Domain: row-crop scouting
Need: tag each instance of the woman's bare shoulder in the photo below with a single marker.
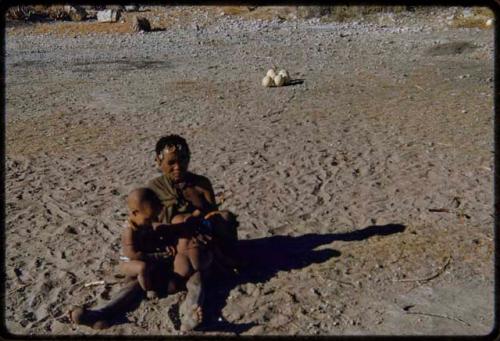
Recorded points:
(200, 180)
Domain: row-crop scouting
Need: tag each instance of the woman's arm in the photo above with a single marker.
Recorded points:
(130, 249)
(177, 230)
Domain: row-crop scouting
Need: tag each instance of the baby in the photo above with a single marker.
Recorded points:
(144, 250)
(148, 247)
(152, 250)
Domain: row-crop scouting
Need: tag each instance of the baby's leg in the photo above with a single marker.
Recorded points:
(141, 270)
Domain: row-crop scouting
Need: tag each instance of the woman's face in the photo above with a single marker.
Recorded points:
(174, 165)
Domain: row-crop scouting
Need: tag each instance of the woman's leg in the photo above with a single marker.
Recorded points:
(100, 318)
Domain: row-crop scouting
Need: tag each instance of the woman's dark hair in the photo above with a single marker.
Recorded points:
(173, 141)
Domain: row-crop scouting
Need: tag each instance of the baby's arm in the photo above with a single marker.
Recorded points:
(130, 249)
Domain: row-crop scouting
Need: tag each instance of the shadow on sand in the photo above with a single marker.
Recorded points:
(267, 256)
(264, 257)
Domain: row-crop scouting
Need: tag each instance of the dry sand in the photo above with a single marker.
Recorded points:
(338, 176)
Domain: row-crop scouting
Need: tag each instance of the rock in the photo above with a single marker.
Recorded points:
(131, 8)
(76, 13)
(108, 15)
(141, 24)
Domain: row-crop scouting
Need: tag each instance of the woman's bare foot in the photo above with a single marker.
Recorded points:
(90, 318)
(190, 311)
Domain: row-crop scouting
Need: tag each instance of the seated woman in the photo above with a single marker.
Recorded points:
(188, 200)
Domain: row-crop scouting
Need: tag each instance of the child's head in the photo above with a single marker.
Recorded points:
(172, 156)
(144, 207)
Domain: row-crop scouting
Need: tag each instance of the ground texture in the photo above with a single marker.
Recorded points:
(364, 190)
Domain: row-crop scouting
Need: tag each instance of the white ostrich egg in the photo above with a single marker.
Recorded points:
(279, 80)
(267, 81)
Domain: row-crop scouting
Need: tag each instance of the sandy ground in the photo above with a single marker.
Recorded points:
(369, 181)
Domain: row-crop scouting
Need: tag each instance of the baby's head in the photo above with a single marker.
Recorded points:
(144, 207)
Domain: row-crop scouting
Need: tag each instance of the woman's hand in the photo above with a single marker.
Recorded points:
(211, 214)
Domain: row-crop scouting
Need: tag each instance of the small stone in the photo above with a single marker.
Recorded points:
(108, 15)
(131, 8)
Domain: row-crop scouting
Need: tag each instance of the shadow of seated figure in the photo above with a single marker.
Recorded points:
(265, 257)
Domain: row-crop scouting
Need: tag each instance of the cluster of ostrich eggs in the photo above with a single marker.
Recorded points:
(276, 79)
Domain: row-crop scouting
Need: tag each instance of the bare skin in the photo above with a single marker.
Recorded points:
(198, 191)
(192, 259)
(138, 240)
